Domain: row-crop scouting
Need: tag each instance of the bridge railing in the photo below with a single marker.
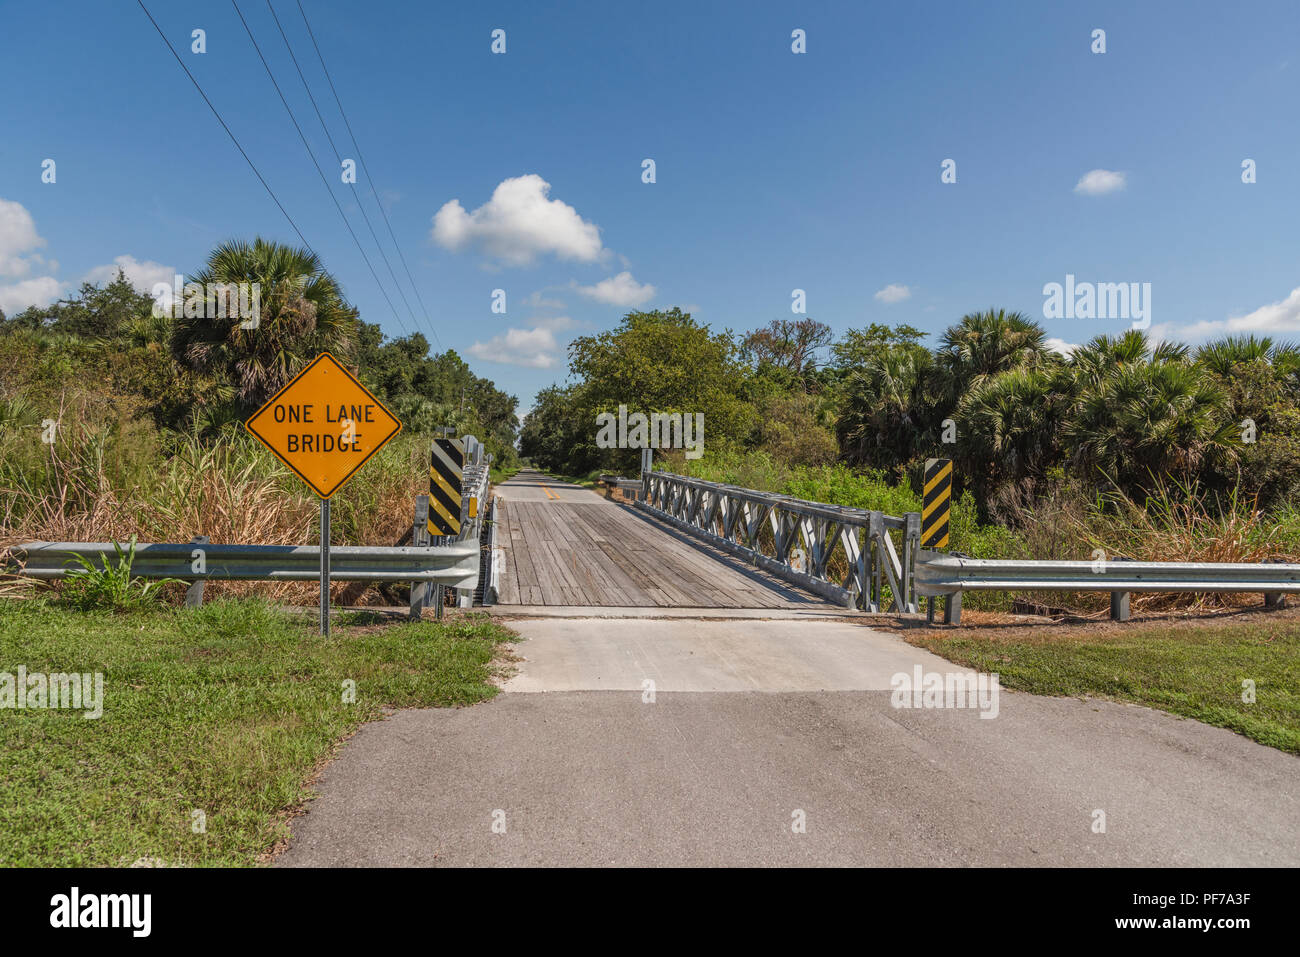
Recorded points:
(855, 557)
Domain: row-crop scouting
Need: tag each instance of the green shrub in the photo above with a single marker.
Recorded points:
(112, 587)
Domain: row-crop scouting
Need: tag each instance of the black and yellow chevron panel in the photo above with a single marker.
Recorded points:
(446, 464)
(937, 503)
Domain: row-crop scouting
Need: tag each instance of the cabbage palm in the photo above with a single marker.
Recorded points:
(1104, 355)
(1146, 421)
(1010, 425)
(883, 414)
(1221, 355)
(984, 344)
(302, 313)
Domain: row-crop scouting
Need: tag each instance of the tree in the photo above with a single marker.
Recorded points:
(861, 345)
(428, 392)
(789, 345)
(662, 362)
(302, 314)
(1258, 378)
(984, 344)
(553, 436)
(885, 411)
(1146, 421)
(1010, 429)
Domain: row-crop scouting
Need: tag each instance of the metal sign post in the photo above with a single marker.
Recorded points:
(324, 424)
(325, 567)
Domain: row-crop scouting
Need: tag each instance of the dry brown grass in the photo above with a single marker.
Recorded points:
(231, 491)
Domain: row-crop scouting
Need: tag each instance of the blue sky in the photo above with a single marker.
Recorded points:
(775, 171)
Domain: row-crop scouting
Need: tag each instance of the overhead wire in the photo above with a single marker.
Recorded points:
(324, 181)
(370, 181)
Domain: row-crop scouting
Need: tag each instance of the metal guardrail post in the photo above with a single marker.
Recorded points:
(911, 545)
(420, 537)
(952, 609)
(194, 594)
(647, 467)
(1274, 599)
(1119, 610)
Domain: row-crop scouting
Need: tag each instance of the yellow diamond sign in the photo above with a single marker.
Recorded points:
(324, 425)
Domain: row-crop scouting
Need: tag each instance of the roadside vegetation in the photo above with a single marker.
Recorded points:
(226, 710)
(117, 422)
(1188, 668)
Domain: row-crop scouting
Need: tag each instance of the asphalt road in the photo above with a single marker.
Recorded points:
(718, 777)
(530, 485)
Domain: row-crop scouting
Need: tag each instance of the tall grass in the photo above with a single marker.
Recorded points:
(111, 481)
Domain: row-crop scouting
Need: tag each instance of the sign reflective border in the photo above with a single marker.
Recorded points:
(324, 425)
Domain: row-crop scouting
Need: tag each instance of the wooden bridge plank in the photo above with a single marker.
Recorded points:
(602, 554)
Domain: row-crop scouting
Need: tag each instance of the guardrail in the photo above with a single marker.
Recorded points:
(475, 482)
(628, 488)
(941, 573)
(494, 558)
(455, 565)
(847, 555)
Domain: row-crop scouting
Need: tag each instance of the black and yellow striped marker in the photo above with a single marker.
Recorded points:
(446, 464)
(937, 503)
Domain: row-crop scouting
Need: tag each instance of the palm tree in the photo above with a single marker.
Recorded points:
(984, 344)
(302, 313)
(1101, 357)
(883, 415)
(1145, 421)
(1010, 426)
(1221, 355)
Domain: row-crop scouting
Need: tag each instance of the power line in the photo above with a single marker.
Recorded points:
(339, 156)
(366, 170)
(319, 171)
(251, 166)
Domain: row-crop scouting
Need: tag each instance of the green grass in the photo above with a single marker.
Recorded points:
(501, 475)
(590, 480)
(227, 709)
(1196, 672)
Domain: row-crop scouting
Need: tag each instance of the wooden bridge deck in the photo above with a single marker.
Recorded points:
(598, 553)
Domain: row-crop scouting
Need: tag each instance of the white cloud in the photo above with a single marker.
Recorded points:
(17, 296)
(894, 292)
(1060, 345)
(553, 323)
(531, 348)
(620, 290)
(18, 240)
(1099, 182)
(142, 275)
(518, 224)
(537, 301)
(1276, 318)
